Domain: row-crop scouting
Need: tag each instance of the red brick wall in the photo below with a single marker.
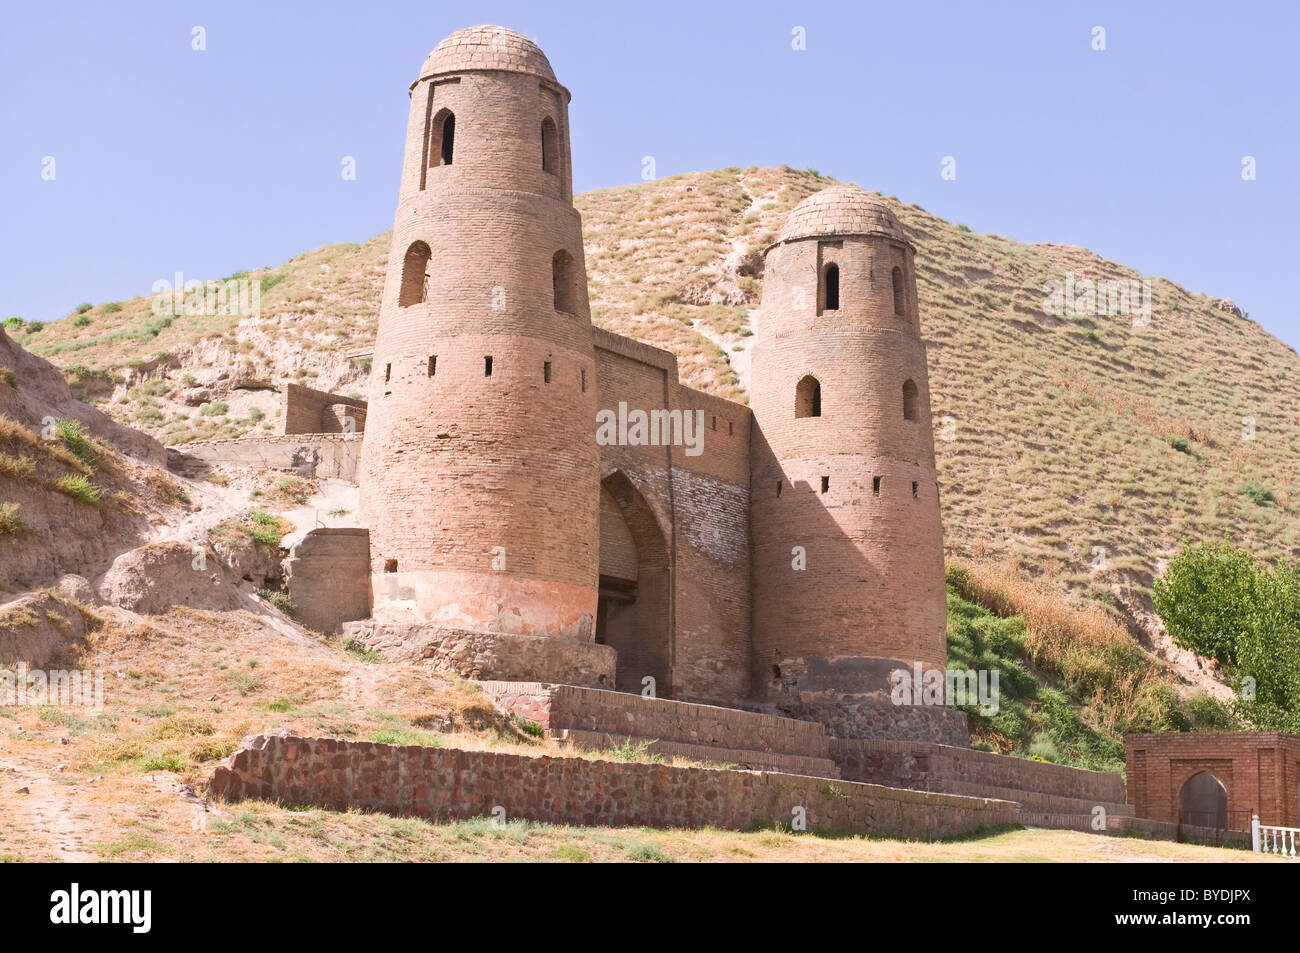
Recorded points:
(1259, 770)
(307, 410)
(449, 784)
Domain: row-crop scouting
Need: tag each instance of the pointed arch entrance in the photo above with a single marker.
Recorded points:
(1203, 801)
(632, 614)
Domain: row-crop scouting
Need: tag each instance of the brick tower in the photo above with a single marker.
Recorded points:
(842, 461)
(479, 470)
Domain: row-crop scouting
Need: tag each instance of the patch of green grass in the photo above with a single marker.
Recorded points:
(358, 651)
(79, 488)
(215, 409)
(74, 437)
(530, 728)
(406, 736)
(1259, 494)
(631, 749)
(245, 682)
(270, 281)
(646, 853)
(280, 600)
(164, 762)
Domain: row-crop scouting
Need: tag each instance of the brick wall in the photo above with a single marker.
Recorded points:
(450, 784)
(310, 455)
(1259, 770)
(328, 577)
(307, 410)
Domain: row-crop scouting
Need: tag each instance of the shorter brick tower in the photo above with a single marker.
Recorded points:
(848, 547)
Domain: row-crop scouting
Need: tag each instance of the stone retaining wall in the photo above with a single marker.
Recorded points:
(557, 707)
(938, 767)
(451, 784)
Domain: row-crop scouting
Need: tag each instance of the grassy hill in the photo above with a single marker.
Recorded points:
(1083, 450)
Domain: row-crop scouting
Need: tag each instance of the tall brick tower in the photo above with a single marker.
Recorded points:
(842, 461)
(479, 469)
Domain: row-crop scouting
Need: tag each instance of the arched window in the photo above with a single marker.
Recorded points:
(831, 288)
(909, 400)
(808, 398)
(1203, 801)
(550, 147)
(415, 275)
(562, 272)
(442, 137)
(900, 306)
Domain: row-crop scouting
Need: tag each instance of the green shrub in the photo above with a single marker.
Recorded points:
(111, 308)
(10, 523)
(270, 281)
(83, 307)
(73, 435)
(79, 488)
(360, 652)
(1259, 494)
(280, 600)
(80, 321)
(9, 377)
(13, 324)
(214, 409)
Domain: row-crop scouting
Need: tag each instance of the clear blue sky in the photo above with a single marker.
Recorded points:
(168, 159)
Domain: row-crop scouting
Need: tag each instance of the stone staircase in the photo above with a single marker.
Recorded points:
(1049, 795)
(597, 719)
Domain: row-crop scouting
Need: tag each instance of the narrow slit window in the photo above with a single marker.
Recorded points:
(715, 423)
(388, 373)
(562, 281)
(831, 288)
(550, 150)
(583, 375)
(778, 489)
(487, 366)
(826, 484)
(875, 485)
(914, 486)
(546, 371)
(909, 400)
(900, 307)
(433, 364)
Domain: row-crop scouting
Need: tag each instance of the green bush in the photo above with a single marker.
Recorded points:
(13, 324)
(80, 321)
(214, 409)
(79, 488)
(83, 307)
(1259, 494)
(73, 435)
(111, 308)
(280, 600)
(10, 523)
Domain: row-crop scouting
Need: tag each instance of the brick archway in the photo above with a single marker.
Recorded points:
(1203, 801)
(633, 610)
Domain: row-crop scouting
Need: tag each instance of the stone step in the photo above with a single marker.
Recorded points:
(708, 754)
(1032, 801)
(621, 715)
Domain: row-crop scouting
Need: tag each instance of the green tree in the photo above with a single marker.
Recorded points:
(1219, 601)
(1208, 598)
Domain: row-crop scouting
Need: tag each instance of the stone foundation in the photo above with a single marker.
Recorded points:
(487, 655)
(450, 784)
(879, 719)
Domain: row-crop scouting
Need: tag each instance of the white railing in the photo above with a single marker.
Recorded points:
(1270, 839)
